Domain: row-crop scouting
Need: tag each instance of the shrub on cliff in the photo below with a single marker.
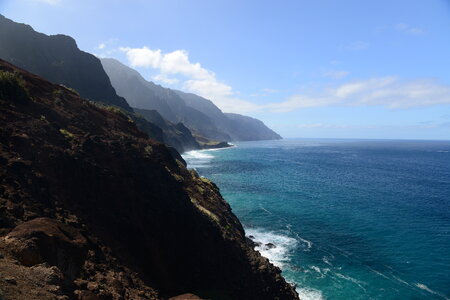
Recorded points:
(12, 87)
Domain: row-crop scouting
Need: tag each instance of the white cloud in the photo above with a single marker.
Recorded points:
(270, 91)
(164, 79)
(265, 93)
(419, 125)
(104, 49)
(320, 125)
(196, 79)
(356, 46)
(50, 2)
(408, 29)
(389, 92)
(143, 57)
(336, 74)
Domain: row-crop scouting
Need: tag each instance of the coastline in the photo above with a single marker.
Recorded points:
(283, 204)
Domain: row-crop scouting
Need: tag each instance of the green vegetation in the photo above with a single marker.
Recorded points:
(71, 89)
(148, 149)
(57, 93)
(208, 213)
(114, 109)
(205, 180)
(66, 133)
(12, 87)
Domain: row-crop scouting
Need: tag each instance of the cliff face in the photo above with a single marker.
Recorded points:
(238, 127)
(93, 209)
(176, 135)
(57, 59)
(197, 113)
(254, 129)
(143, 94)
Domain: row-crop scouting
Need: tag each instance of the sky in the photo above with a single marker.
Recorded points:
(312, 69)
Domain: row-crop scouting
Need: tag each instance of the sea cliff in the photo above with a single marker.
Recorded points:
(91, 208)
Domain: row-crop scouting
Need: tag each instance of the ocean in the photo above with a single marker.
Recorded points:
(350, 219)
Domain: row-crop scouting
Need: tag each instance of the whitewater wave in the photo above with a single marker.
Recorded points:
(280, 255)
(307, 244)
(309, 294)
(276, 247)
(197, 154)
(197, 158)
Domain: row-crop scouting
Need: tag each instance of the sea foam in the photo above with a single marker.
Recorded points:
(284, 245)
(309, 294)
(197, 154)
(197, 159)
(425, 288)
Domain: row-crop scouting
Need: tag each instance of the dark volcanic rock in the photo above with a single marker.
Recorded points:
(186, 297)
(176, 135)
(48, 240)
(270, 245)
(78, 179)
(58, 59)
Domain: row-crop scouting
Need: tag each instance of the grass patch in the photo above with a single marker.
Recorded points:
(71, 89)
(67, 134)
(208, 213)
(12, 87)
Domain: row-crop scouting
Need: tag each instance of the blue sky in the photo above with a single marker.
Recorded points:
(336, 69)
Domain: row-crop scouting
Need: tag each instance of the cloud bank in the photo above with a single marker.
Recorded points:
(50, 2)
(196, 79)
(390, 92)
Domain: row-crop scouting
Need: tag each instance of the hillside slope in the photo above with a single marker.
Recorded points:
(92, 209)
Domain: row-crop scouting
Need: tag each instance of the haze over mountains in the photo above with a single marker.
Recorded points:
(181, 120)
(199, 114)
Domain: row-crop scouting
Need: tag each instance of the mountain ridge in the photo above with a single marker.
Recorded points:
(200, 115)
(58, 59)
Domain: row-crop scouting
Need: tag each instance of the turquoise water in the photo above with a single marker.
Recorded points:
(350, 219)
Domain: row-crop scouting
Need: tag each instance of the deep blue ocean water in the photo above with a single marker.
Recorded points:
(351, 219)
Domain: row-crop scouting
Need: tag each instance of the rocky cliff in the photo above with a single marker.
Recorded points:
(57, 59)
(200, 115)
(143, 94)
(91, 209)
(176, 135)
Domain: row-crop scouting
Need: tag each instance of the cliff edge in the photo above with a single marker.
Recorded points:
(91, 208)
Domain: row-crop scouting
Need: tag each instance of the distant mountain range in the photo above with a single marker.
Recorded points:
(199, 114)
(181, 120)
